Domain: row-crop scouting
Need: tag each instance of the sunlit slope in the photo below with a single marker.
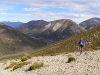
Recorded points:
(91, 37)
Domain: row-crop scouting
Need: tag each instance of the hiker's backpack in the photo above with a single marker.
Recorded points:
(81, 42)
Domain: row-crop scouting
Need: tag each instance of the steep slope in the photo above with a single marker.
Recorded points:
(27, 27)
(91, 37)
(12, 24)
(12, 41)
(90, 23)
(56, 30)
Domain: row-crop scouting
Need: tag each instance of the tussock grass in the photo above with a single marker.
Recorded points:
(11, 65)
(35, 66)
(70, 59)
(20, 64)
(26, 57)
(16, 65)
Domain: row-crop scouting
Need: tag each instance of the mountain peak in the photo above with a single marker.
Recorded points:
(90, 23)
(55, 30)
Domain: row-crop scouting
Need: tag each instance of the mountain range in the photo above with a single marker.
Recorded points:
(27, 27)
(54, 30)
(12, 24)
(87, 24)
(39, 33)
(90, 23)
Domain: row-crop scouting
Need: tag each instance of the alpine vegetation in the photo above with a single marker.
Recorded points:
(35, 65)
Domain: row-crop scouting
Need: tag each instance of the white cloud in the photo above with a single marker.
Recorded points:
(49, 16)
(1, 9)
(32, 9)
(79, 10)
(14, 19)
(10, 14)
(55, 16)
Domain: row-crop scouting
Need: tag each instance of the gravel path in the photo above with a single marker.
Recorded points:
(88, 63)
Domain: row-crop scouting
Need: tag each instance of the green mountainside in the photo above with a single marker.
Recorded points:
(70, 44)
(91, 37)
(13, 41)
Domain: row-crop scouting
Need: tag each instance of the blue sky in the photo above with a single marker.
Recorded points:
(49, 10)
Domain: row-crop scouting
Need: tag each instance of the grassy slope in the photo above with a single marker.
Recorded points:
(12, 41)
(91, 37)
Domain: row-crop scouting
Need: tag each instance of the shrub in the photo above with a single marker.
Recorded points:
(66, 53)
(95, 48)
(11, 65)
(20, 64)
(71, 59)
(26, 57)
(35, 66)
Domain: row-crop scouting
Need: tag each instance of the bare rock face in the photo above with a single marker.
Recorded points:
(90, 23)
(56, 30)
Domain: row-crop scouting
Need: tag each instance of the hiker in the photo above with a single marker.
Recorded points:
(81, 45)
